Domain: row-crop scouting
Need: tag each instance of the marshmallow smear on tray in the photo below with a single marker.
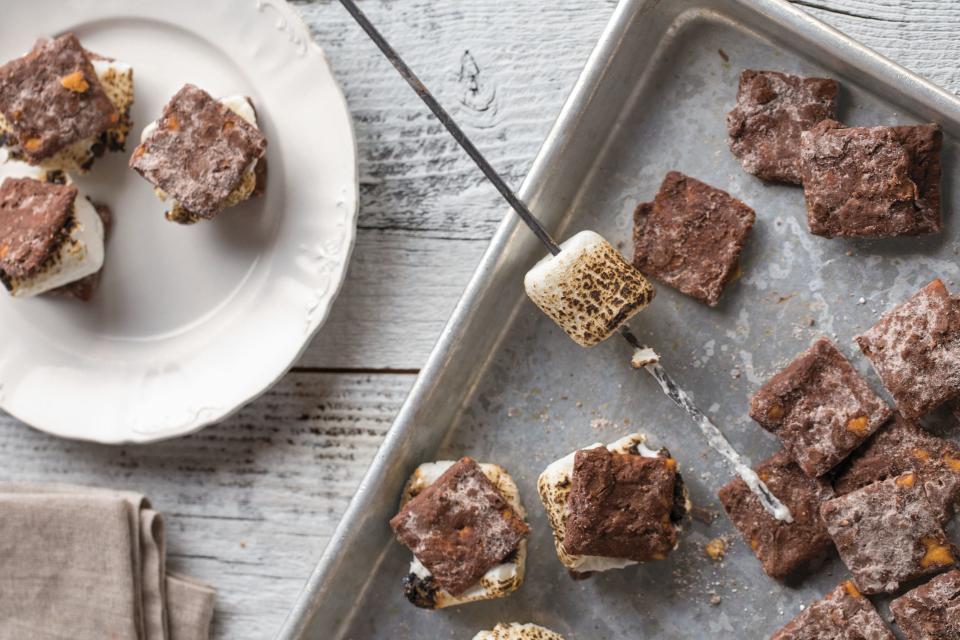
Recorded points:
(589, 289)
(613, 506)
(203, 155)
(517, 631)
(62, 107)
(51, 235)
(464, 522)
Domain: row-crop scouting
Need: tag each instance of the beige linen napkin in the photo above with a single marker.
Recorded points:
(79, 562)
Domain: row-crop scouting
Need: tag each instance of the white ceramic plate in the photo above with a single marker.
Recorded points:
(190, 322)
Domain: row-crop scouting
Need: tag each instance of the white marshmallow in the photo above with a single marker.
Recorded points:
(499, 581)
(589, 289)
(517, 631)
(554, 485)
(80, 255)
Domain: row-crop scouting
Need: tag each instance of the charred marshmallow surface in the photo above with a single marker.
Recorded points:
(422, 589)
(78, 251)
(554, 486)
(589, 289)
(517, 631)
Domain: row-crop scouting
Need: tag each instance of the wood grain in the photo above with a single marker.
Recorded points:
(251, 502)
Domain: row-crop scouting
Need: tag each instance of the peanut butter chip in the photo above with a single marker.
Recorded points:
(32, 144)
(75, 82)
(857, 425)
(921, 454)
(953, 463)
(4, 249)
(851, 589)
(936, 554)
(716, 549)
(775, 412)
(906, 480)
(172, 123)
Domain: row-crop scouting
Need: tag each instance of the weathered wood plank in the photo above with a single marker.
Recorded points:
(249, 503)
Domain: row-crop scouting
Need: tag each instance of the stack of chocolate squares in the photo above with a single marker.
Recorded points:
(871, 182)
(861, 478)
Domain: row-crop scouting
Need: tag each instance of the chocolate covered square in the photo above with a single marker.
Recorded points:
(52, 97)
(782, 547)
(844, 614)
(691, 236)
(915, 349)
(888, 533)
(460, 526)
(199, 152)
(901, 446)
(35, 219)
(871, 181)
(819, 407)
(772, 110)
(620, 506)
(931, 611)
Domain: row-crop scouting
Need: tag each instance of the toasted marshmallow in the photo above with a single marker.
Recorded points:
(79, 256)
(589, 289)
(500, 580)
(517, 631)
(554, 485)
(241, 106)
(117, 80)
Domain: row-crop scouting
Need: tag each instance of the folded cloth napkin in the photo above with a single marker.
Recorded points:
(79, 563)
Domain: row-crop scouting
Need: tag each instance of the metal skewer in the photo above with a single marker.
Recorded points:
(669, 387)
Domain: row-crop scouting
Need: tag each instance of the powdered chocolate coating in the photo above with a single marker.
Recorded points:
(782, 547)
(35, 220)
(819, 407)
(198, 152)
(859, 181)
(901, 446)
(619, 506)
(772, 110)
(885, 533)
(691, 236)
(45, 114)
(915, 349)
(460, 526)
(843, 615)
(931, 611)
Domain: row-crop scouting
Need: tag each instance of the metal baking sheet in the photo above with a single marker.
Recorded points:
(505, 385)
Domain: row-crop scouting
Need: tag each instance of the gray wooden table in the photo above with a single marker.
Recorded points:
(250, 503)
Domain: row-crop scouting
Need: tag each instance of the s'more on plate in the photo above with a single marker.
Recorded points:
(203, 154)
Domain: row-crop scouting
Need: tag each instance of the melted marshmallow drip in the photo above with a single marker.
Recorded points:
(720, 444)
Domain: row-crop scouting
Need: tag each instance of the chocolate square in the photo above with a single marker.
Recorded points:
(819, 407)
(901, 446)
(199, 151)
(915, 349)
(35, 219)
(888, 533)
(460, 526)
(871, 182)
(620, 506)
(52, 97)
(844, 614)
(691, 236)
(931, 611)
(782, 547)
(772, 110)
